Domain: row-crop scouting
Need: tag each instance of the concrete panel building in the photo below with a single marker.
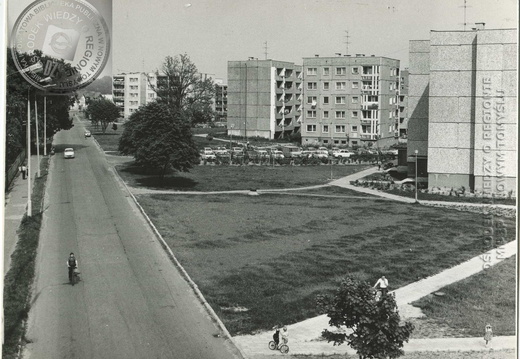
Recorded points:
(131, 90)
(220, 103)
(264, 98)
(463, 84)
(350, 100)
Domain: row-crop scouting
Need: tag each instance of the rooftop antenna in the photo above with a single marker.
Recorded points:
(265, 49)
(465, 6)
(347, 42)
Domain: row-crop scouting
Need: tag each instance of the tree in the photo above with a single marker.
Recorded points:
(376, 328)
(182, 88)
(102, 111)
(159, 138)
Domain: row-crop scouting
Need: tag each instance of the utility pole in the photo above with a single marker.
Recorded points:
(347, 42)
(265, 49)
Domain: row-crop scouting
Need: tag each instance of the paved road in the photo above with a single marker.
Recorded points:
(132, 302)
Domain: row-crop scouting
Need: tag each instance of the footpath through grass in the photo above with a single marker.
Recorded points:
(18, 281)
(468, 305)
(261, 260)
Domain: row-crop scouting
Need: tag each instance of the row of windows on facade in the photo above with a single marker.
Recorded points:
(368, 114)
(341, 85)
(340, 100)
(342, 128)
(342, 70)
(367, 70)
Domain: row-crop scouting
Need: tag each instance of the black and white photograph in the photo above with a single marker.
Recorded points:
(236, 179)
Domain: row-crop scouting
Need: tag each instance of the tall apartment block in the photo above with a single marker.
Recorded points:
(220, 103)
(403, 105)
(264, 98)
(132, 90)
(463, 109)
(350, 100)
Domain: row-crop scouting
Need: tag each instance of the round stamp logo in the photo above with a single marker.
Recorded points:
(60, 46)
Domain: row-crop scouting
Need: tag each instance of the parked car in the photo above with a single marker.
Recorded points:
(262, 153)
(87, 134)
(277, 154)
(207, 154)
(292, 151)
(343, 153)
(237, 150)
(322, 153)
(68, 153)
(221, 151)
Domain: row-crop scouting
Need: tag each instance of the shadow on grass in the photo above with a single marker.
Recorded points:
(146, 178)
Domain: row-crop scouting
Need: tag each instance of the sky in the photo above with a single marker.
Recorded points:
(213, 32)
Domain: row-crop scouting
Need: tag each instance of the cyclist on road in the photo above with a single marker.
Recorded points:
(284, 335)
(72, 263)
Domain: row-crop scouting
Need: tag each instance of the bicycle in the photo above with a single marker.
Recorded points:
(283, 348)
(75, 277)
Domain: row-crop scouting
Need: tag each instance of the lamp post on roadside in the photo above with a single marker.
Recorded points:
(416, 152)
(231, 145)
(29, 202)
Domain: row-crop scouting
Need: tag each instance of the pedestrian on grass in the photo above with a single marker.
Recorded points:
(383, 285)
(489, 334)
(24, 171)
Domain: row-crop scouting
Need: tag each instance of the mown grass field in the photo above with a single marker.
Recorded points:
(468, 305)
(271, 254)
(225, 178)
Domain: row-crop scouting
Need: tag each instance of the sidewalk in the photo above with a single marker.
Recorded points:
(15, 208)
(305, 336)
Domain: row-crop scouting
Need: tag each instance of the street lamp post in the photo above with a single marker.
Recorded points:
(231, 145)
(416, 152)
(29, 201)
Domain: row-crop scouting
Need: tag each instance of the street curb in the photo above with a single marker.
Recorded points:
(179, 266)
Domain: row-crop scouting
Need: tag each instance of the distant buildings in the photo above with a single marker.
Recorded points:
(264, 98)
(220, 102)
(351, 100)
(133, 90)
(463, 109)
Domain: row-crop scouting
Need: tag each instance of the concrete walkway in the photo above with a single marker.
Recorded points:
(304, 337)
(15, 209)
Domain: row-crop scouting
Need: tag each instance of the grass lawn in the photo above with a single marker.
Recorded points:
(261, 260)
(468, 305)
(224, 178)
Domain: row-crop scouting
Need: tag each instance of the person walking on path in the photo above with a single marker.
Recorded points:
(383, 285)
(489, 334)
(24, 171)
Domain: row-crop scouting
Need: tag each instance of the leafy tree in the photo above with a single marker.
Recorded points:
(182, 88)
(101, 111)
(376, 328)
(159, 138)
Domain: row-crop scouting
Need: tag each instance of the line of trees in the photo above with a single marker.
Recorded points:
(158, 134)
(17, 93)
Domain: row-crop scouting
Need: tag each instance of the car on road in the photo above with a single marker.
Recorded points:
(68, 153)
(87, 134)
(343, 153)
